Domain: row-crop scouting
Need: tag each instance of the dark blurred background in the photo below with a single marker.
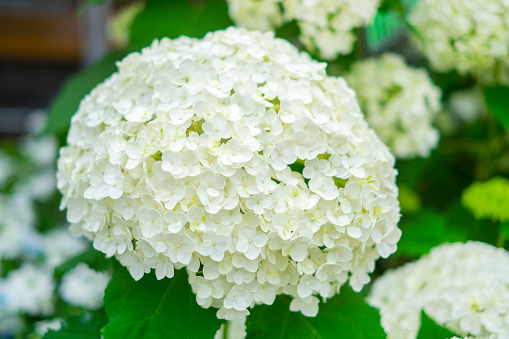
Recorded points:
(42, 43)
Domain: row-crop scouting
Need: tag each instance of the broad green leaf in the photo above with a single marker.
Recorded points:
(431, 330)
(85, 326)
(425, 230)
(151, 308)
(163, 18)
(496, 99)
(67, 101)
(345, 316)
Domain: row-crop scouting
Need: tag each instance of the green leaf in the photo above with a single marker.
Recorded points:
(85, 326)
(431, 330)
(345, 316)
(151, 308)
(425, 230)
(496, 99)
(163, 18)
(67, 101)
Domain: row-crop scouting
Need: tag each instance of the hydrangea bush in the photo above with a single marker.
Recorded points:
(231, 186)
(193, 161)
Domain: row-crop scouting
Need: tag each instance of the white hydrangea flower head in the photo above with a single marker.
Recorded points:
(29, 289)
(326, 26)
(84, 287)
(468, 36)
(463, 286)
(188, 157)
(265, 15)
(400, 103)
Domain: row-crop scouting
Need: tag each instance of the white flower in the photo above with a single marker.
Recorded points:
(238, 298)
(180, 248)
(308, 305)
(30, 290)
(326, 26)
(162, 265)
(84, 287)
(214, 245)
(462, 286)
(207, 142)
(400, 103)
(250, 242)
(468, 36)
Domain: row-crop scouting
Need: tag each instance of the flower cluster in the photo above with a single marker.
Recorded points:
(488, 200)
(462, 286)
(33, 247)
(29, 289)
(400, 103)
(326, 27)
(188, 156)
(468, 36)
(84, 287)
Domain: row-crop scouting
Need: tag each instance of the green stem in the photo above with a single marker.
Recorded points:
(225, 329)
(501, 240)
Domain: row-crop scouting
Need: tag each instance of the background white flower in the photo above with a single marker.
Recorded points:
(84, 287)
(463, 286)
(400, 103)
(29, 289)
(470, 37)
(326, 26)
(207, 180)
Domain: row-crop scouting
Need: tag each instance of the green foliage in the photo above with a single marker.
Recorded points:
(431, 330)
(488, 200)
(409, 201)
(151, 308)
(84, 326)
(425, 230)
(163, 18)
(93, 258)
(67, 101)
(345, 316)
(496, 100)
